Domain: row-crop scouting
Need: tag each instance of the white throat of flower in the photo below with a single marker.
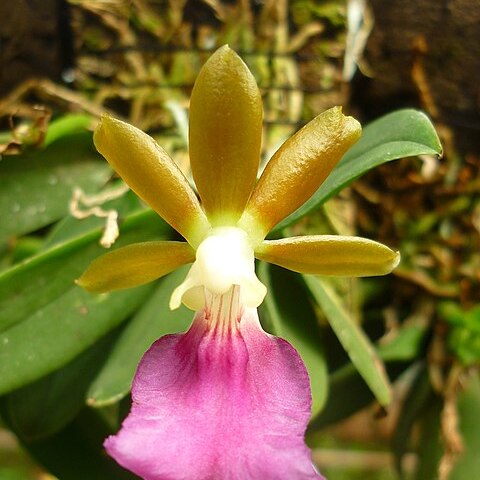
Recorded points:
(225, 258)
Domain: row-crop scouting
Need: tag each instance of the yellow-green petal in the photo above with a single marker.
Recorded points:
(225, 135)
(330, 255)
(152, 175)
(134, 265)
(297, 169)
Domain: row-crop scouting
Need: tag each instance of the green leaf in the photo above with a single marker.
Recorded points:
(404, 133)
(348, 393)
(287, 313)
(25, 247)
(58, 332)
(67, 125)
(44, 407)
(419, 395)
(397, 354)
(429, 442)
(46, 320)
(34, 283)
(406, 345)
(353, 339)
(154, 320)
(36, 187)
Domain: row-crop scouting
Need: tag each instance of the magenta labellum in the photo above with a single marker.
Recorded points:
(224, 401)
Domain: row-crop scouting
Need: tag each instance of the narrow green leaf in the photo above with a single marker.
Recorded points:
(348, 394)
(39, 280)
(404, 133)
(67, 125)
(398, 356)
(353, 339)
(44, 407)
(405, 346)
(429, 443)
(36, 187)
(419, 395)
(287, 313)
(154, 320)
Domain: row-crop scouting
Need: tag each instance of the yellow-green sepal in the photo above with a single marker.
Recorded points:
(297, 169)
(134, 265)
(152, 175)
(225, 133)
(330, 255)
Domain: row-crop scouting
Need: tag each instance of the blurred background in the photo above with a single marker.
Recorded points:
(138, 59)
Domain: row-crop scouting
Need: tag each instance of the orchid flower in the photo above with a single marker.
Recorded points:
(225, 400)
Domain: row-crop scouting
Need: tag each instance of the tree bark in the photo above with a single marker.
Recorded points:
(427, 54)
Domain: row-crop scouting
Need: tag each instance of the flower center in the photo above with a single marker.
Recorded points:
(225, 258)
